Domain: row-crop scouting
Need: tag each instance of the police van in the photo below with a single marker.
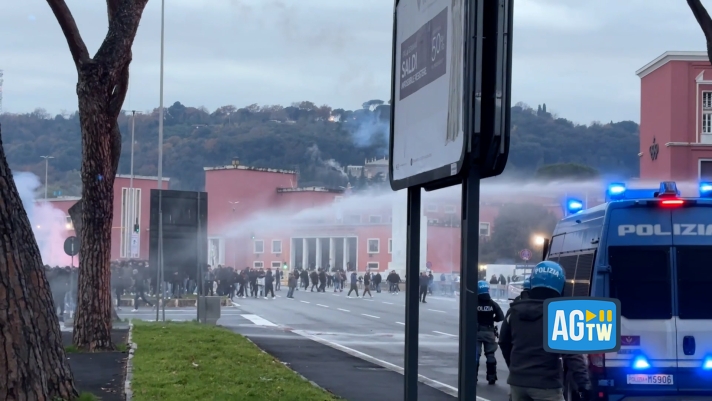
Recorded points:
(651, 249)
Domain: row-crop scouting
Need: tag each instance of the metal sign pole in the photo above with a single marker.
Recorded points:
(197, 301)
(412, 285)
(469, 270)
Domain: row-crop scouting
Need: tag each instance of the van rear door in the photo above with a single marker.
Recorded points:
(692, 238)
(639, 244)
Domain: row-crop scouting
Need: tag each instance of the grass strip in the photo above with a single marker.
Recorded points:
(190, 361)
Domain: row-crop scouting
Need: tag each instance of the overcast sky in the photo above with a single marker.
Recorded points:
(579, 57)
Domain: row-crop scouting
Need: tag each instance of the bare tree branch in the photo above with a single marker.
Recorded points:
(79, 51)
(705, 22)
(123, 24)
(111, 7)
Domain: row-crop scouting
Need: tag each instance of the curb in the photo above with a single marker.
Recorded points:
(128, 393)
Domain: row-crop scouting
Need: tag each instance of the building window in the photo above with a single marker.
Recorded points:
(450, 209)
(276, 265)
(374, 245)
(433, 222)
(374, 219)
(432, 208)
(372, 266)
(484, 229)
(707, 100)
(258, 264)
(259, 246)
(707, 123)
(390, 245)
(706, 169)
(352, 219)
(277, 246)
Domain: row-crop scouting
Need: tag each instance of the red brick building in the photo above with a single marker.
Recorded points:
(262, 218)
(125, 214)
(676, 117)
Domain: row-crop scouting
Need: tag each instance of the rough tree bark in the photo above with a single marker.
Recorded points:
(75, 213)
(705, 22)
(33, 365)
(101, 89)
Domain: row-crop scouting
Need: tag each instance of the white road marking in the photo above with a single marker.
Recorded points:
(343, 310)
(387, 303)
(369, 300)
(259, 321)
(435, 310)
(430, 382)
(323, 306)
(401, 323)
(305, 302)
(375, 317)
(235, 305)
(445, 334)
(336, 295)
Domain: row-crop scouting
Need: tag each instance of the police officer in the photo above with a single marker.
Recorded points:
(534, 374)
(526, 286)
(488, 312)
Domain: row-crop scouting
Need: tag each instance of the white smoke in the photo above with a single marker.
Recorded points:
(48, 223)
(331, 165)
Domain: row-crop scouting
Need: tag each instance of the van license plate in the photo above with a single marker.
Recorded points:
(664, 380)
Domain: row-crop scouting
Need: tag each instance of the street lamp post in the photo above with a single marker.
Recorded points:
(234, 250)
(159, 284)
(46, 169)
(132, 199)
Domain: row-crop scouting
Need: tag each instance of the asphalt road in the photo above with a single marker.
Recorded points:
(370, 328)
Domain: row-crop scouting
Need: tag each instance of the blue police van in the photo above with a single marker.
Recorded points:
(651, 249)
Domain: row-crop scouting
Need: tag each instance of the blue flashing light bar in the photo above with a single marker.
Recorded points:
(668, 189)
(616, 191)
(574, 206)
(640, 362)
(706, 190)
(707, 363)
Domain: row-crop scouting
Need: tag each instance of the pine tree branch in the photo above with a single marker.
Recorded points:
(705, 22)
(66, 21)
(115, 51)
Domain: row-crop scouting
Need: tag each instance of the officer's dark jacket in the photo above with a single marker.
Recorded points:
(521, 340)
(488, 311)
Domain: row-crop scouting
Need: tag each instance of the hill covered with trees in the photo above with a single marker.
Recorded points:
(316, 140)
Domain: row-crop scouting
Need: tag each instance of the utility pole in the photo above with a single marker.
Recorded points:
(132, 200)
(234, 250)
(159, 284)
(46, 169)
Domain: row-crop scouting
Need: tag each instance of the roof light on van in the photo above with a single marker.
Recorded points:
(668, 189)
(706, 190)
(574, 206)
(640, 362)
(707, 363)
(616, 191)
(672, 202)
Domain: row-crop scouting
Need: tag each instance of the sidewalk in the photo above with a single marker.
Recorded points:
(346, 376)
(100, 373)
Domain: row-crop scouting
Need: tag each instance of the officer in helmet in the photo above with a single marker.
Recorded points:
(534, 374)
(488, 312)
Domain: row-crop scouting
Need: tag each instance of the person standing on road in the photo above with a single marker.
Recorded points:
(377, 282)
(366, 285)
(277, 280)
(534, 374)
(322, 281)
(354, 284)
(488, 313)
(424, 280)
(292, 280)
(269, 283)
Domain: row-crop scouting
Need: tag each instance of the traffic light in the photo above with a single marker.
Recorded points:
(136, 230)
(285, 267)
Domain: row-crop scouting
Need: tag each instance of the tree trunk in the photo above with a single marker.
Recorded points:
(101, 149)
(33, 364)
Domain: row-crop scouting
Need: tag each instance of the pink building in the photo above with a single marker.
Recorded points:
(126, 215)
(676, 117)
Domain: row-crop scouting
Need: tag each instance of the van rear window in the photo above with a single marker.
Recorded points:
(694, 282)
(641, 280)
